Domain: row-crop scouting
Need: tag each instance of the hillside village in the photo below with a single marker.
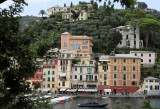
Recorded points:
(75, 66)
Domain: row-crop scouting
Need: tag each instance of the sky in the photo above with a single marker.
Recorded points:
(34, 6)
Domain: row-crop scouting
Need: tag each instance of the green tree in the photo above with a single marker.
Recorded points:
(42, 12)
(75, 15)
(122, 13)
(65, 5)
(146, 105)
(37, 85)
(95, 6)
(142, 5)
(71, 5)
(149, 25)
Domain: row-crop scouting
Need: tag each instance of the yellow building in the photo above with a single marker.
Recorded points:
(120, 73)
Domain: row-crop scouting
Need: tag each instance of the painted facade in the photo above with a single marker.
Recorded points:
(50, 74)
(148, 58)
(81, 44)
(122, 74)
(53, 10)
(151, 86)
(129, 40)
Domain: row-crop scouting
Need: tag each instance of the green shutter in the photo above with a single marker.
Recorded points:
(115, 83)
(134, 76)
(124, 83)
(48, 78)
(63, 68)
(37, 76)
(100, 83)
(105, 76)
(114, 60)
(43, 79)
(52, 78)
(124, 67)
(49, 85)
(115, 68)
(134, 60)
(105, 83)
(124, 76)
(124, 60)
(52, 72)
(134, 68)
(115, 75)
(48, 72)
(52, 85)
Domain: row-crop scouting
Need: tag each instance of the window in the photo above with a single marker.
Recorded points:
(68, 55)
(115, 75)
(105, 83)
(135, 36)
(37, 76)
(81, 13)
(150, 87)
(124, 83)
(52, 85)
(126, 36)
(134, 76)
(72, 42)
(77, 42)
(120, 42)
(157, 87)
(43, 79)
(41, 76)
(48, 72)
(150, 80)
(52, 72)
(141, 55)
(49, 85)
(114, 60)
(105, 68)
(52, 78)
(63, 83)
(134, 60)
(95, 78)
(134, 68)
(124, 76)
(134, 42)
(134, 83)
(115, 83)
(124, 67)
(100, 83)
(149, 60)
(149, 55)
(75, 46)
(84, 47)
(105, 76)
(80, 77)
(59, 84)
(66, 62)
(80, 69)
(53, 66)
(85, 41)
(83, 62)
(75, 77)
(63, 68)
(48, 78)
(90, 62)
(114, 67)
(100, 75)
(75, 68)
(65, 42)
(135, 54)
(156, 80)
(124, 60)
(89, 70)
(63, 55)
(141, 60)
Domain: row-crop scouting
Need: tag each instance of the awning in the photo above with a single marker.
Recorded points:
(90, 90)
(87, 90)
(107, 90)
(46, 90)
(72, 90)
(63, 74)
(62, 89)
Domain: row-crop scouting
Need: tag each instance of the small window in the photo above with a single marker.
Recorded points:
(134, 68)
(75, 68)
(134, 76)
(135, 54)
(124, 83)
(149, 55)
(52, 72)
(63, 83)
(141, 60)
(115, 83)
(37, 76)
(114, 60)
(115, 67)
(100, 75)
(72, 42)
(49, 85)
(105, 76)
(105, 83)
(52, 85)
(75, 77)
(91, 62)
(149, 60)
(115, 75)
(53, 67)
(124, 67)
(124, 60)
(48, 78)
(43, 79)
(126, 36)
(141, 55)
(52, 78)
(77, 42)
(48, 72)
(100, 83)
(134, 60)
(41, 76)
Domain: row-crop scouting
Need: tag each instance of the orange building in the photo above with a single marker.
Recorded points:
(81, 44)
(121, 75)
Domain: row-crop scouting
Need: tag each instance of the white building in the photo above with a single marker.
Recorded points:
(151, 86)
(147, 57)
(129, 40)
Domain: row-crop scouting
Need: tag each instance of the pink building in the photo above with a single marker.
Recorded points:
(83, 44)
(147, 57)
(149, 10)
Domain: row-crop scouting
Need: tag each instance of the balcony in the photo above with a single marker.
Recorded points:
(89, 80)
(91, 65)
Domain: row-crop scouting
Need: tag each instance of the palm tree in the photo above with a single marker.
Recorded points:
(42, 12)
(146, 105)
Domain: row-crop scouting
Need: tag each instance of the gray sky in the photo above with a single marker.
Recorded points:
(34, 6)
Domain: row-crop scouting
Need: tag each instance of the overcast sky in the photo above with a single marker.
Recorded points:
(34, 6)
